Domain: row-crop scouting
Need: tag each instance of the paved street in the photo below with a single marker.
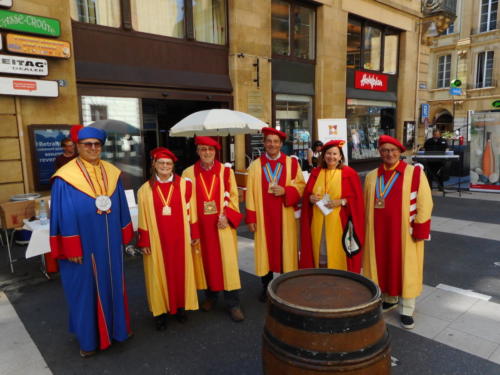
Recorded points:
(457, 317)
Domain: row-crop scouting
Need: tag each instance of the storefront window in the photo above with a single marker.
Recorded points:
(366, 121)
(294, 117)
(391, 44)
(123, 146)
(161, 17)
(99, 12)
(209, 20)
(293, 29)
(354, 44)
(372, 47)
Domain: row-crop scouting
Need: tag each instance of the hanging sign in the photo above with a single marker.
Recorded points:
(6, 3)
(370, 81)
(23, 65)
(28, 87)
(38, 46)
(28, 23)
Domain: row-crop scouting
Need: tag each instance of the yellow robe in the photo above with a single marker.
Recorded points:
(333, 226)
(154, 269)
(289, 227)
(228, 239)
(413, 250)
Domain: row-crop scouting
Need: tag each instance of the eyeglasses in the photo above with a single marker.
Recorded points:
(386, 151)
(91, 144)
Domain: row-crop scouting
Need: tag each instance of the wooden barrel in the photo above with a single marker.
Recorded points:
(323, 321)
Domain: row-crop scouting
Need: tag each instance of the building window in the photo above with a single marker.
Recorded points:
(488, 11)
(484, 71)
(98, 12)
(452, 4)
(201, 20)
(372, 47)
(444, 71)
(98, 112)
(293, 29)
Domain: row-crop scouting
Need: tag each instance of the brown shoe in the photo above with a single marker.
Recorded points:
(85, 354)
(236, 314)
(208, 304)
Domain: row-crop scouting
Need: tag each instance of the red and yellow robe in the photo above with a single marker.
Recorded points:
(276, 235)
(344, 230)
(168, 270)
(218, 269)
(394, 244)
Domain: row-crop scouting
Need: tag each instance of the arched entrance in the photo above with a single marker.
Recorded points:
(444, 121)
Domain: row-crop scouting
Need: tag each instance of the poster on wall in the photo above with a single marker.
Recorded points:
(333, 128)
(45, 146)
(485, 152)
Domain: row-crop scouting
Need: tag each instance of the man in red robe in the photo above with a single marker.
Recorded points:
(398, 212)
(215, 200)
(274, 187)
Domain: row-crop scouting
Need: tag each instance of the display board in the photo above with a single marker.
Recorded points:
(45, 146)
(333, 128)
(485, 151)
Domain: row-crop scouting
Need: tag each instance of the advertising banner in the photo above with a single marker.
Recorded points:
(28, 87)
(28, 23)
(31, 45)
(334, 128)
(23, 65)
(485, 152)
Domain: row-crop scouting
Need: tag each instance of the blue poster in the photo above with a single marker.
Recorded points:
(47, 146)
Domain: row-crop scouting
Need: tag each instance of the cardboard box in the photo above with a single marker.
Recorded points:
(13, 213)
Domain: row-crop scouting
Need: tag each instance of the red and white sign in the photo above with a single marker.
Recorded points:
(29, 87)
(370, 81)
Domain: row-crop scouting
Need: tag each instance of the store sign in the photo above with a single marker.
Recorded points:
(28, 87)
(370, 81)
(28, 23)
(6, 3)
(455, 91)
(425, 111)
(31, 45)
(23, 65)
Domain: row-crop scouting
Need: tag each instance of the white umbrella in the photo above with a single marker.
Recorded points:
(217, 122)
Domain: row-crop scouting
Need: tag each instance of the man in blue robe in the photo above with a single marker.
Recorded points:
(89, 222)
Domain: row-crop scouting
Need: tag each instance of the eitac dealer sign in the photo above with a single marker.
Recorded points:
(23, 65)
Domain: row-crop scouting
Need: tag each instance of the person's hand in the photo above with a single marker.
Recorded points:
(222, 223)
(195, 242)
(78, 260)
(334, 203)
(252, 228)
(278, 190)
(314, 198)
(146, 250)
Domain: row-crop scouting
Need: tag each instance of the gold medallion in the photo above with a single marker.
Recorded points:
(209, 208)
(379, 203)
(270, 188)
(166, 211)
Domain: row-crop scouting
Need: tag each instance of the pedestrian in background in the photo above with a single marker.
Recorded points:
(332, 217)
(165, 240)
(274, 188)
(313, 155)
(398, 220)
(89, 221)
(216, 213)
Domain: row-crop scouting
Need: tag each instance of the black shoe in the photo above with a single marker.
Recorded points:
(161, 322)
(181, 316)
(407, 322)
(208, 304)
(263, 295)
(386, 306)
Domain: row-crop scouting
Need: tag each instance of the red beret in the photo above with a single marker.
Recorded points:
(268, 131)
(334, 142)
(162, 152)
(73, 132)
(207, 141)
(388, 139)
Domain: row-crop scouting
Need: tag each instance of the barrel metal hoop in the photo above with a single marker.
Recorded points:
(318, 356)
(323, 324)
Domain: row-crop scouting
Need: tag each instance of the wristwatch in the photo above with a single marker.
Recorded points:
(343, 202)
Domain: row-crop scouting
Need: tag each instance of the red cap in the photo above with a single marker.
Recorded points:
(334, 142)
(273, 131)
(162, 152)
(388, 139)
(207, 141)
(73, 132)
